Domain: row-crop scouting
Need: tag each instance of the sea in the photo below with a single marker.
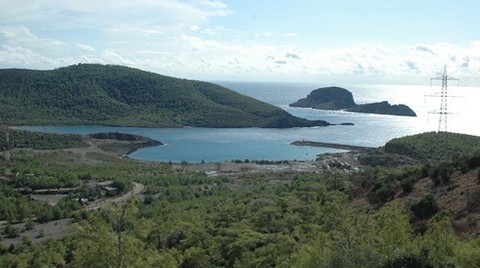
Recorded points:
(226, 144)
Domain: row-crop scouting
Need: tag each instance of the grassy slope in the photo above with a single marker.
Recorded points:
(434, 147)
(116, 95)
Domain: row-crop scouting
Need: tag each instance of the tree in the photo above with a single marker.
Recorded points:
(392, 228)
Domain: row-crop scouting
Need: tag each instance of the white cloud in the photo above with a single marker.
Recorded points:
(111, 13)
(290, 34)
(23, 57)
(292, 56)
(85, 47)
(197, 54)
(195, 28)
(20, 35)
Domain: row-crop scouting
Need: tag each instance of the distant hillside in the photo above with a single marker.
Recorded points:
(116, 95)
(433, 146)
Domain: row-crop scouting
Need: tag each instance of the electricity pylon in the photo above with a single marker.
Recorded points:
(443, 112)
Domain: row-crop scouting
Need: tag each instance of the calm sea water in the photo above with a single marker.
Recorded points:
(214, 145)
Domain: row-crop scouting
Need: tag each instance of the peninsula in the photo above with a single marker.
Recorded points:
(337, 98)
(88, 94)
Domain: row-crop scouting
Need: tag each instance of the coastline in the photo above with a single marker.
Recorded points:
(330, 145)
(121, 143)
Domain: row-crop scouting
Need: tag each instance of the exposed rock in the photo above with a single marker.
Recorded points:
(383, 108)
(327, 98)
(337, 98)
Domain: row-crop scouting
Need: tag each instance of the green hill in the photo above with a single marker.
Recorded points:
(434, 146)
(116, 95)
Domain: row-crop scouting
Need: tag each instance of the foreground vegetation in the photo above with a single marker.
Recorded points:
(186, 219)
(115, 95)
(35, 140)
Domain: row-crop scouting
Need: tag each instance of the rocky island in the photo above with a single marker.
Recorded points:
(337, 98)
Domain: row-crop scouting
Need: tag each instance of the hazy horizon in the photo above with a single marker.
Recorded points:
(367, 42)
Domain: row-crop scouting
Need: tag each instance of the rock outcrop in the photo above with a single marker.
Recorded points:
(327, 98)
(337, 98)
(383, 108)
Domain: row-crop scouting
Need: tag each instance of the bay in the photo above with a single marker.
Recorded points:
(226, 144)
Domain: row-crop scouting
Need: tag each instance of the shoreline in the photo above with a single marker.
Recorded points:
(121, 143)
(330, 145)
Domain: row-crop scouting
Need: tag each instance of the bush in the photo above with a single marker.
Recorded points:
(473, 201)
(29, 224)
(382, 194)
(441, 173)
(425, 208)
(408, 260)
(408, 183)
(10, 231)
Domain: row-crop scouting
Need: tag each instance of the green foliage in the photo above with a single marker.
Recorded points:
(407, 259)
(434, 147)
(468, 162)
(116, 95)
(10, 231)
(36, 140)
(29, 224)
(425, 208)
(191, 220)
(441, 173)
(386, 183)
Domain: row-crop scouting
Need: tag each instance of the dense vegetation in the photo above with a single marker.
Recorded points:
(434, 147)
(187, 219)
(35, 140)
(116, 95)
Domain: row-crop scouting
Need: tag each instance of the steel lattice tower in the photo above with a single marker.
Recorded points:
(443, 112)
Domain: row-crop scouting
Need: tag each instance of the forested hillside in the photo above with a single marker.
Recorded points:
(434, 147)
(116, 95)
(374, 217)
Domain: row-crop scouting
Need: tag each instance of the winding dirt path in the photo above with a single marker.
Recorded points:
(58, 228)
(138, 188)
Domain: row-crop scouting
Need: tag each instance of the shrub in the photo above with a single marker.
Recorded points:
(382, 193)
(473, 201)
(441, 173)
(29, 224)
(425, 208)
(10, 231)
(408, 183)
(408, 260)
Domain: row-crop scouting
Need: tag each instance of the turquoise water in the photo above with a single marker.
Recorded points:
(218, 145)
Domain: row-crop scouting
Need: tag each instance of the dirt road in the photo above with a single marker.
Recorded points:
(58, 228)
(138, 188)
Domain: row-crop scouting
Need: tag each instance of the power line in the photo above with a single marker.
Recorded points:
(472, 76)
(443, 94)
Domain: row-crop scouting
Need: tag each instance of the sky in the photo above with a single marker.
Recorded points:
(342, 41)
